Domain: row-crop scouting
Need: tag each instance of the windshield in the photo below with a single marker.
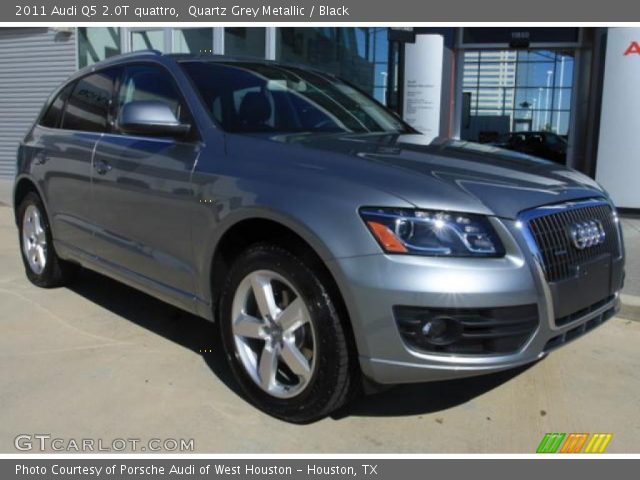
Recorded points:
(255, 97)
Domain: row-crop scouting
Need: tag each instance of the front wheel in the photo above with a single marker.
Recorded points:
(283, 336)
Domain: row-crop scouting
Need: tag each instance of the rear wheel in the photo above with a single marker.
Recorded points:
(283, 336)
(42, 265)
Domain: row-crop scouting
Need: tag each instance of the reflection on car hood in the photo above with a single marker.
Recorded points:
(444, 173)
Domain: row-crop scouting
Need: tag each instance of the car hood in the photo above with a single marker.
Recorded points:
(434, 173)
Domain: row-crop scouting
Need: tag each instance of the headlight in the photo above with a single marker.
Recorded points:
(424, 232)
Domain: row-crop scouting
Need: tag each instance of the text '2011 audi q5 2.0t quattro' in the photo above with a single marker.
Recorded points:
(336, 246)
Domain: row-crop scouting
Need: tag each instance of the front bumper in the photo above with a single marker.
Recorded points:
(372, 285)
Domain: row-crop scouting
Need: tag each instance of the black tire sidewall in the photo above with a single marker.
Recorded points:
(330, 343)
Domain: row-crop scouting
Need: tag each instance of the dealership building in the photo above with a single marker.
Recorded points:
(572, 89)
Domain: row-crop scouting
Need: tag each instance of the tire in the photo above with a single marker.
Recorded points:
(45, 269)
(312, 326)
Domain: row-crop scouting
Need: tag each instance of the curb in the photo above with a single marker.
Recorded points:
(629, 307)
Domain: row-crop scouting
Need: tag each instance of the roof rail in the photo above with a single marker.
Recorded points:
(116, 58)
(237, 58)
(137, 53)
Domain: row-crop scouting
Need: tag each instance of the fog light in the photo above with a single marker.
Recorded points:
(441, 330)
(469, 331)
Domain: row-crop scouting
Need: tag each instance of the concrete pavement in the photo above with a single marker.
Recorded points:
(100, 360)
(6, 189)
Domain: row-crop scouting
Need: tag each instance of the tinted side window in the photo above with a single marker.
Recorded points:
(51, 119)
(151, 83)
(88, 106)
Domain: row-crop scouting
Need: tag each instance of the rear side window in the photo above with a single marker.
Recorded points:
(88, 106)
(151, 83)
(51, 119)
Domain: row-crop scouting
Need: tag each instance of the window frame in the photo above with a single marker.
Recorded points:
(76, 81)
(49, 105)
(112, 113)
(195, 134)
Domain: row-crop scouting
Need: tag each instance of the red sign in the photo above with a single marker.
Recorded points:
(633, 49)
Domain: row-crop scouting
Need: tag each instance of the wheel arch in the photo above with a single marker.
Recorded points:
(23, 185)
(263, 228)
(256, 227)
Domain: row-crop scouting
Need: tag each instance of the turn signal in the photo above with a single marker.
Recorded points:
(387, 239)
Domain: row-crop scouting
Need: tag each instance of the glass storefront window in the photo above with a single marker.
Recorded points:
(390, 89)
(245, 41)
(514, 90)
(97, 43)
(564, 77)
(193, 40)
(359, 55)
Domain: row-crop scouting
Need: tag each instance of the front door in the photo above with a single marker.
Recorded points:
(142, 193)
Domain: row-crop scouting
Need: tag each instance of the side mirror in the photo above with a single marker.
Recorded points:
(151, 117)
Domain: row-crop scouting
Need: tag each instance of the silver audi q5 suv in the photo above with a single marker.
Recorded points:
(335, 245)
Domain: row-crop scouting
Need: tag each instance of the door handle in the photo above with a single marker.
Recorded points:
(40, 158)
(102, 167)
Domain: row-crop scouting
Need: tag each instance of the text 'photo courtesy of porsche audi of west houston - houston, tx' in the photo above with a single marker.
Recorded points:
(339, 249)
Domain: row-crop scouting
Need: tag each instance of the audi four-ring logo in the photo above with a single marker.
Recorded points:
(587, 234)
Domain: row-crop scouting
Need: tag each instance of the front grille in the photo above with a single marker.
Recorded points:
(580, 330)
(559, 256)
(584, 311)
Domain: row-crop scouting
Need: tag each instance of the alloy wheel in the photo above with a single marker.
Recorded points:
(274, 336)
(34, 240)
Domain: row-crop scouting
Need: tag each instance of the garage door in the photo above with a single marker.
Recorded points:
(33, 62)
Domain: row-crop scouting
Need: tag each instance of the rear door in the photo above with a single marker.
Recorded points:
(63, 148)
(142, 194)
